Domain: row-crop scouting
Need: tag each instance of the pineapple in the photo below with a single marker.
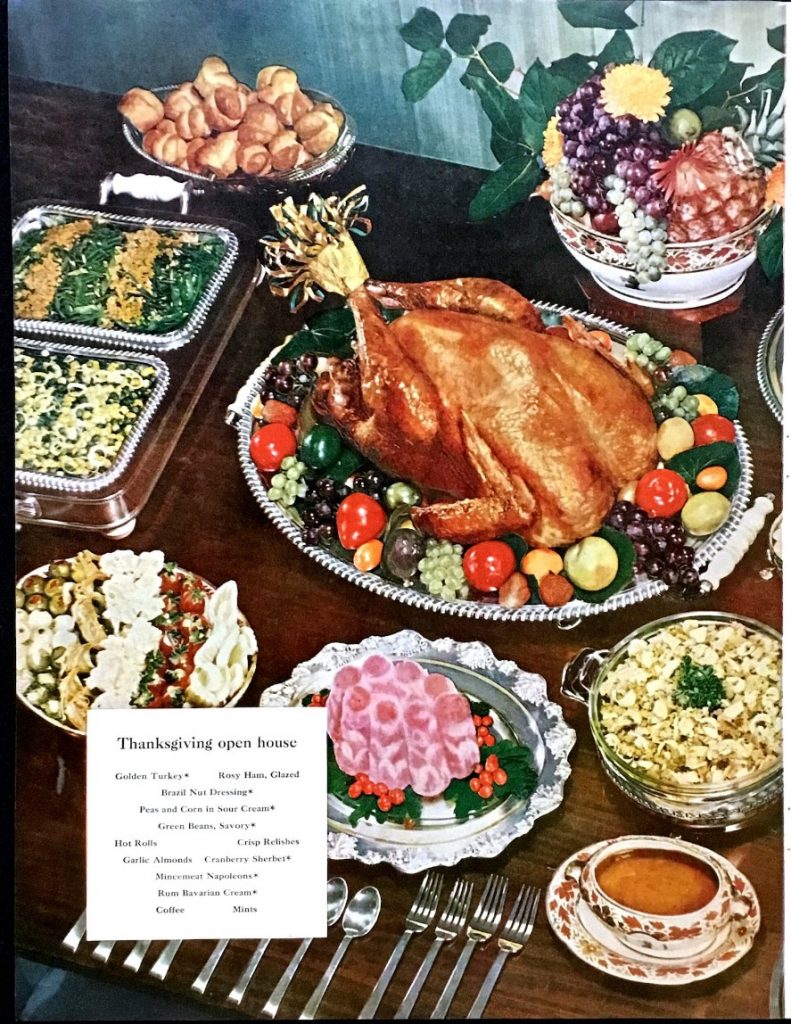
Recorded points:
(714, 186)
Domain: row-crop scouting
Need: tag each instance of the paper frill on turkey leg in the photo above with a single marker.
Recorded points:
(313, 252)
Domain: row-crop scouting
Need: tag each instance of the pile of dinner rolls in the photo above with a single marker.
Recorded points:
(217, 125)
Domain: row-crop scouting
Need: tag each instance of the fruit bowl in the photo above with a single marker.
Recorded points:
(697, 274)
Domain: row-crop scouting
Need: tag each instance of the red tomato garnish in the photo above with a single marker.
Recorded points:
(193, 598)
(271, 444)
(170, 582)
(713, 427)
(661, 492)
(489, 564)
(359, 519)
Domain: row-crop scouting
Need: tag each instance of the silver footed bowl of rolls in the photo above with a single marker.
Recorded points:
(220, 132)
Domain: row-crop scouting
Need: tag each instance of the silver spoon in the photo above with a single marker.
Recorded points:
(337, 894)
(359, 919)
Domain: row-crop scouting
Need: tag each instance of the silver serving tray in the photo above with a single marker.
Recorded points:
(570, 614)
(770, 365)
(38, 216)
(521, 711)
(85, 485)
(309, 174)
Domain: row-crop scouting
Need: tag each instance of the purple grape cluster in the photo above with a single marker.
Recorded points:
(661, 550)
(321, 504)
(290, 380)
(372, 482)
(597, 145)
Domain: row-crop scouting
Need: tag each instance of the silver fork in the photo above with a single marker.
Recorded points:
(417, 920)
(516, 931)
(482, 926)
(447, 929)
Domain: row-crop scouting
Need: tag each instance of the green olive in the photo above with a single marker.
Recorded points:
(37, 603)
(53, 587)
(57, 605)
(61, 569)
(19, 597)
(34, 585)
(401, 493)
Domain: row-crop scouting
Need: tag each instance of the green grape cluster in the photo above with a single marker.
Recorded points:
(441, 571)
(647, 351)
(675, 401)
(645, 236)
(562, 195)
(288, 484)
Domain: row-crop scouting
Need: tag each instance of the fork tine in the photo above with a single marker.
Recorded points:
(467, 901)
(498, 903)
(431, 895)
(423, 894)
(516, 910)
(533, 913)
(479, 910)
(453, 899)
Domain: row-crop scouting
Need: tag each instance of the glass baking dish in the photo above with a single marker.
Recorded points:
(103, 500)
(48, 214)
(110, 503)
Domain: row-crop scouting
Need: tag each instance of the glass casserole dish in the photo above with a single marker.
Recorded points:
(728, 805)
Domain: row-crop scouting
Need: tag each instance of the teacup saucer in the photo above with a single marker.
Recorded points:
(598, 945)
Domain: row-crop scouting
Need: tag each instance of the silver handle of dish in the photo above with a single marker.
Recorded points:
(725, 561)
(579, 673)
(157, 188)
(235, 410)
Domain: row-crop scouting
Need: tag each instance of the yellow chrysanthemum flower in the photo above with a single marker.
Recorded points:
(552, 152)
(637, 90)
(776, 186)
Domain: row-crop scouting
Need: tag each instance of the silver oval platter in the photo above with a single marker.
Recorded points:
(641, 589)
(521, 711)
(770, 365)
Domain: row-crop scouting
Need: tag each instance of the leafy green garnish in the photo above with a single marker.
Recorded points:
(698, 686)
(517, 763)
(626, 558)
(718, 386)
(721, 453)
(329, 334)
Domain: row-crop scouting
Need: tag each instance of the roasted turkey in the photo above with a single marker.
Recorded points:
(504, 427)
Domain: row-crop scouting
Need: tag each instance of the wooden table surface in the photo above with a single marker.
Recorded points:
(202, 515)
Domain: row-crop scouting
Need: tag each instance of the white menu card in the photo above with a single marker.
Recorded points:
(207, 824)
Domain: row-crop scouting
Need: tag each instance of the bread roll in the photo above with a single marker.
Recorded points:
(254, 158)
(262, 119)
(170, 149)
(285, 151)
(275, 80)
(213, 72)
(224, 108)
(192, 124)
(142, 108)
(290, 106)
(193, 147)
(167, 127)
(181, 99)
(317, 131)
(218, 155)
(335, 114)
